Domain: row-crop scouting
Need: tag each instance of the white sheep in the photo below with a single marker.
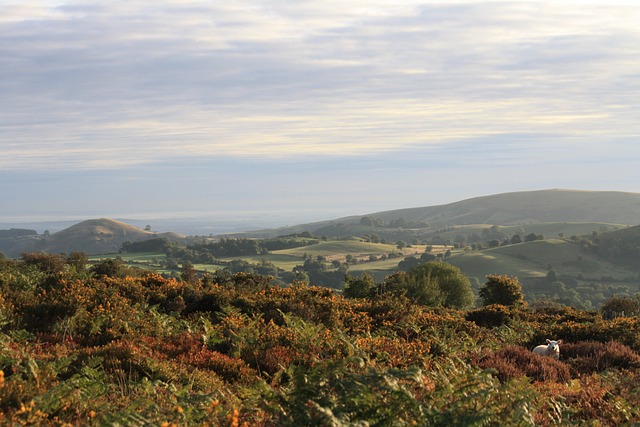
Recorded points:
(552, 348)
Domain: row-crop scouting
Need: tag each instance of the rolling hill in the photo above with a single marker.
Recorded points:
(530, 207)
(548, 212)
(94, 236)
(507, 209)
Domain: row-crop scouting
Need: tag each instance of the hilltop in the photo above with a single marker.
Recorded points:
(516, 208)
(530, 207)
(93, 236)
(548, 212)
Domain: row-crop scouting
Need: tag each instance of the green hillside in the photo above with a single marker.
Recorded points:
(338, 247)
(578, 275)
(534, 259)
(508, 209)
(530, 207)
(547, 229)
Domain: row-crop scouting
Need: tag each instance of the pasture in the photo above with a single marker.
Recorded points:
(535, 259)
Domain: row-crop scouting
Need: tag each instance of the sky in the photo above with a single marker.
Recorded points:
(310, 109)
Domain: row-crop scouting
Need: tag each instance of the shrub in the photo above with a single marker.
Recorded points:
(491, 316)
(503, 290)
(592, 356)
(560, 313)
(514, 362)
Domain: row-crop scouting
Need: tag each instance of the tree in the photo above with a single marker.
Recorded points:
(408, 263)
(188, 273)
(493, 243)
(433, 284)
(401, 244)
(110, 267)
(426, 257)
(78, 261)
(531, 237)
(358, 287)
(502, 290)
(516, 239)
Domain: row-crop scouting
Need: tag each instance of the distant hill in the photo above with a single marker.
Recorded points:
(517, 208)
(531, 207)
(559, 209)
(94, 236)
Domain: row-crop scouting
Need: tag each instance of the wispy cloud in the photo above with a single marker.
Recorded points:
(119, 85)
(126, 78)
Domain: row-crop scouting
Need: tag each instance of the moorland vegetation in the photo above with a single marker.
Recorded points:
(107, 344)
(581, 271)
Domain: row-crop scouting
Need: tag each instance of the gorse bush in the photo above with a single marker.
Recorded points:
(83, 348)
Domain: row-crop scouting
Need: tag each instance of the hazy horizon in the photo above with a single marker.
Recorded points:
(322, 109)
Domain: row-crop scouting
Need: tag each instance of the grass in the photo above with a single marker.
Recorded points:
(548, 229)
(284, 261)
(337, 247)
(535, 259)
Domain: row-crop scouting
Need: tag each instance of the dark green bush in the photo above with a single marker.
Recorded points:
(491, 316)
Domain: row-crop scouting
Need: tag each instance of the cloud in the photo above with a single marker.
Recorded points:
(123, 84)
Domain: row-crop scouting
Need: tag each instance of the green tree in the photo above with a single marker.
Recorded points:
(408, 263)
(78, 260)
(401, 244)
(433, 284)
(531, 237)
(188, 273)
(110, 267)
(425, 257)
(502, 290)
(493, 243)
(358, 287)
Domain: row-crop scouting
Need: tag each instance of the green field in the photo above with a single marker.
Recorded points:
(549, 230)
(340, 247)
(535, 259)
(149, 260)
(283, 261)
